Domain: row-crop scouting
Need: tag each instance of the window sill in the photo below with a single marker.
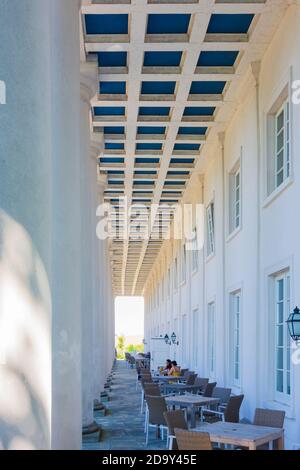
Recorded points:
(209, 257)
(277, 192)
(233, 234)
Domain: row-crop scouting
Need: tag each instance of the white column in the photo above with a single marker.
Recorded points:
(39, 284)
(101, 184)
(89, 81)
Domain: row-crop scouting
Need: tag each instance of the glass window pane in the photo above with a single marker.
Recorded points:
(280, 120)
(279, 361)
(280, 140)
(279, 381)
(280, 336)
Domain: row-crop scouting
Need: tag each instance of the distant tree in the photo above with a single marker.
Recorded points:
(121, 346)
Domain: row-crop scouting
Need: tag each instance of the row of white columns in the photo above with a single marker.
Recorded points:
(56, 304)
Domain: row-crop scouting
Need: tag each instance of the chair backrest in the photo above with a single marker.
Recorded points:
(191, 440)
(232, 411)
(209, 389)
(201, 382)
(222, 393)
(187, 373)
(270, 418)
(152, 389)
(182, 372)
(146, 380)
(191, 379)
(157, 407)
(175, 419)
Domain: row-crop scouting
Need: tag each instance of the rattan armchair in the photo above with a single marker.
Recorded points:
(191, 440)
(174, 419)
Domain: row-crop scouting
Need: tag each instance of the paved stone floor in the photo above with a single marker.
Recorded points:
(123, 425)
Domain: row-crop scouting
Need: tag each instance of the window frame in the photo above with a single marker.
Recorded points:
(235, 336)
(211, 335)
(210, 229)
(286, 145)
(234, 200)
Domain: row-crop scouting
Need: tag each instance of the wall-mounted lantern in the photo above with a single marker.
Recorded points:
(293, 323)
(173, 338)
(167, 339)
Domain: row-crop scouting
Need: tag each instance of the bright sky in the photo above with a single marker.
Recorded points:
(129, 316)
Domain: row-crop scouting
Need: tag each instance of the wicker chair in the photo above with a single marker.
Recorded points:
(209, 389)
(191, 440)
(149, 389)
(174, 419)
(201, 382)
(231, 414)
(183, 371)
(156, 407)
(191, 379)
(224, 395)
(269, 418)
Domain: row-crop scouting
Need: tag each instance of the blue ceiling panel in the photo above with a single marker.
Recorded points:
(113, 88)
(114, 146)
(147, 160)
(173, 23)
(217, 58)
(115, 172)
(149, 146)
(178, 173)
(114, 130)
(154, 111)
(182, 160)
(162, 59)
(109, 111)
(186, 146)
(209, 88)
(199, 111)
(151, 130)
(158, 88)
(228, 23)
(111, 160)
(192, 130)
(106, 24)
(112, 59)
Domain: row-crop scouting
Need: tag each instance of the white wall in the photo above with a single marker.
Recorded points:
(267, 242)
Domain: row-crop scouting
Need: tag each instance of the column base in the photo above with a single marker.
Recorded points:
(91, 428)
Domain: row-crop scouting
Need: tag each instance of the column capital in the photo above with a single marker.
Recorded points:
(255, 70)
(97, 144)
(89, 81)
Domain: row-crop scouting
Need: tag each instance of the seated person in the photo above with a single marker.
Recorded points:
(175, 369)
(165, 370)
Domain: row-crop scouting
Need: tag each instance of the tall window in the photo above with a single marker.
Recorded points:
(211, 338)
(282, 144)
(195, 251)
(279, 143)
(235, 200)
(210, 229)
(235, 320)
(183, 263)
(195, 336)
(185, 342)
(175, 273)
(282, 338)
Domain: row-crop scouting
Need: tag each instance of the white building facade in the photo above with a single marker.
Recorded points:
(228, 302)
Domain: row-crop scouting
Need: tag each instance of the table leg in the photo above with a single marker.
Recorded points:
(280, 443)
(193, 417)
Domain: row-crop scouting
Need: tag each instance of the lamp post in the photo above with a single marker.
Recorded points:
(293, 323)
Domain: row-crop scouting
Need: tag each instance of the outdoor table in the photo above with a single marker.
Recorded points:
(245, 435)
(191, 402)
(181, 387)
(165, 378)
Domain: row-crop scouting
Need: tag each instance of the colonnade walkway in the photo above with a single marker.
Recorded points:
(123, 425)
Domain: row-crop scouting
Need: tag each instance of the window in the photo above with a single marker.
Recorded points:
(175, 274)
(235, 314)
(278, 140)
(282, 338)
(210, 229)
(183, 263)
(211, 338)
(282, 144)
(195, 336)
(195, 251)
(235, 200)
(184, 341)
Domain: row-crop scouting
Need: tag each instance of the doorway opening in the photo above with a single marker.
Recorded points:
(129, 325)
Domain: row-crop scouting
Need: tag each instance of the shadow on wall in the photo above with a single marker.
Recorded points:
(25, 342)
